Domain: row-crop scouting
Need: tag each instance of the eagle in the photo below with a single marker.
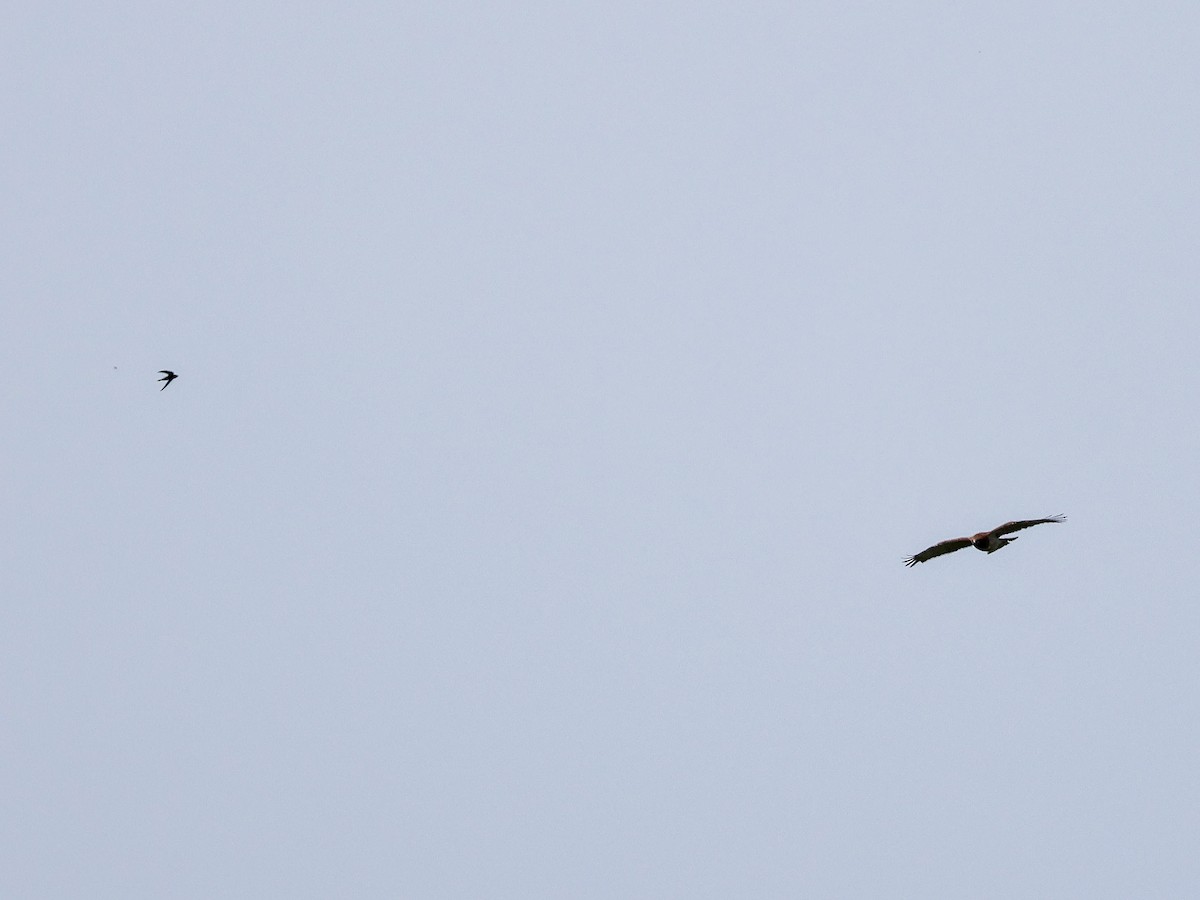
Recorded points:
(987, 541)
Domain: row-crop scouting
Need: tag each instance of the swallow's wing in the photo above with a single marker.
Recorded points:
(165, 372)
(938, 549)
(1010, 527)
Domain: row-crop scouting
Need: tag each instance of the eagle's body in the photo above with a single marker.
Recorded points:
(987, 541)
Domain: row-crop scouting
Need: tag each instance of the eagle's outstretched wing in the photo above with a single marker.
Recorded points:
(938, 549)
(1010, 527)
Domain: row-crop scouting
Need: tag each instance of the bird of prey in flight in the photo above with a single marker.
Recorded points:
(987, 541)
(168, 377)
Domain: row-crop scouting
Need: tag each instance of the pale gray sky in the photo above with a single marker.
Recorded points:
(561, 386)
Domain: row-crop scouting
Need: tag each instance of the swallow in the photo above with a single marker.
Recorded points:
(168, 377)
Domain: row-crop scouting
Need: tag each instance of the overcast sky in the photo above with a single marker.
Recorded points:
(561, 386)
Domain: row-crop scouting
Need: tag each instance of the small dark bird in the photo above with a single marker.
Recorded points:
(168, 377)
(987, 541)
